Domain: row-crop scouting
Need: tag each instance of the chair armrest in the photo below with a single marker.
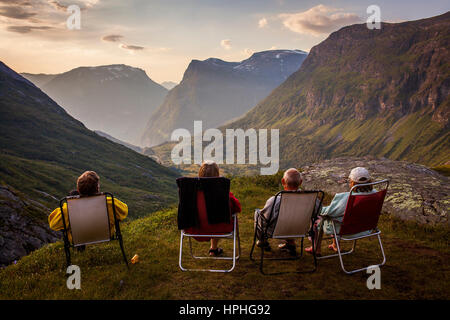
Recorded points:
(260, 215)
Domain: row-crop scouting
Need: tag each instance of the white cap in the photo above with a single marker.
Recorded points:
(359, 175)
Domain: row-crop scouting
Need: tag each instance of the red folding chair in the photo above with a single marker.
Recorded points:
(361, 215)
(205, 231)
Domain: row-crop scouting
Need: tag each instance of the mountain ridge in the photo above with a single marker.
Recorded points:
(215, 91)
(365, 92)
(116, 99)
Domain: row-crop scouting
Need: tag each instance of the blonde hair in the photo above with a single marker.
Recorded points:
(209, 169)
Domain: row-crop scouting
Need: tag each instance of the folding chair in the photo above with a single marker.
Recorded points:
(206, 230)
(89, 222)
(297, 213)
(361, 215)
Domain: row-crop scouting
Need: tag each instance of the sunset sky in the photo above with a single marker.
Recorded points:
(162, 37)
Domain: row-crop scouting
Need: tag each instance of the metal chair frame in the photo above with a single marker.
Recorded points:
(231, 235)
(67, 244)
(269, 222)
(339, 237)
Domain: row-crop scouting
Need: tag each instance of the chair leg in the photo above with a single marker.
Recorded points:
(236, 242)
(239, 242)
(123, 251)
(181, 252)
(253, 245)
(354, 244)
(261, 263)
(68, 257)
(314, 256)
(301, 247)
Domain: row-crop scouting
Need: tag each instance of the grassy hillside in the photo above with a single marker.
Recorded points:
(417, 264)
(43, 150)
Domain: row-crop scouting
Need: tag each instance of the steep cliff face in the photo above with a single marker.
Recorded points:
(23, 226)
(217, 91)
(382, 92)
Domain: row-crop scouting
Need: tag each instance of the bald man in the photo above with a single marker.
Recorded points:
(291, 181)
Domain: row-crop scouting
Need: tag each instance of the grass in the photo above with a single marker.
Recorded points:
(416, 268)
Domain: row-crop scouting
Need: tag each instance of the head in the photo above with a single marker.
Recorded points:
(208, 169)
(291, 180)
(88, 183)
(360, 175)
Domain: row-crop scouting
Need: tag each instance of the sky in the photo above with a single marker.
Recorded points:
(162, 37)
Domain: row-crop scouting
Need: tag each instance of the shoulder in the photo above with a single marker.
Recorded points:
(117, 202)
(270, 200)
(341, 195)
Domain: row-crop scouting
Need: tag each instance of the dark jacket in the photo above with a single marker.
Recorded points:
(216, 190)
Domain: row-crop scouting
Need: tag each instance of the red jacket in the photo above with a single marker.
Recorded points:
(206, 228)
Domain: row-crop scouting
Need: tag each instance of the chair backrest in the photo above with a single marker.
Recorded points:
(363, 209)
(88, 219)
(209, 195)
(296, 212)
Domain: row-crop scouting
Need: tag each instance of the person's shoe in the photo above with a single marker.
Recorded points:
(216, 252)
(263, 244)
(287, 247)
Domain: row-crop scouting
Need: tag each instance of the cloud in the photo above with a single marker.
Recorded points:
(89, 3)
(16, 12)
(112, 38)
(226, 44)
(17, 2)
(262, 23)
(131, 47)
(58, 5)
(318, 20)
(26, 29)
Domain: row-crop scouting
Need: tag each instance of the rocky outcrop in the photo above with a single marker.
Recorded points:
(22, 227)
(415, 192)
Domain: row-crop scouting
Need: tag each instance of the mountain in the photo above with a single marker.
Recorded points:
(116, 99)
(40, 79)
(366, 92)
(128, 145)
(169, 85)
(216, 91)
(42, 152)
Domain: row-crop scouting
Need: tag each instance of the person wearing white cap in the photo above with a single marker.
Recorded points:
(336, 209)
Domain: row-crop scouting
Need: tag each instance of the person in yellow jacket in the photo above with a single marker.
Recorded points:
(88, 184)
